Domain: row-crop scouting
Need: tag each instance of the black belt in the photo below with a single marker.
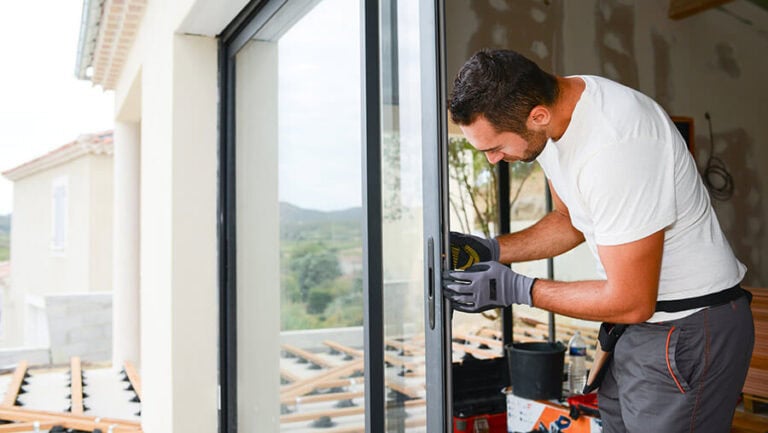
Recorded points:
(709, 300)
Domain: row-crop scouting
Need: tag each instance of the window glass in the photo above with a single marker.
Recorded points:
(299, 218)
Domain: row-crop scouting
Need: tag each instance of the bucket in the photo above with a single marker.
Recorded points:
(536, 369)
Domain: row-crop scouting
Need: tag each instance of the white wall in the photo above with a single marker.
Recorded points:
(80, 266)
(706, 62)
(178, 260)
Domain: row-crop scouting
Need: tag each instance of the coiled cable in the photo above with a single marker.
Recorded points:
(716, 177)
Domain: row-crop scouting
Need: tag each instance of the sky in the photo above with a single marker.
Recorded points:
(42, 104)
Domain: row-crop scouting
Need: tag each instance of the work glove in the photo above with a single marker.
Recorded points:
(467, 250)
(487, 285)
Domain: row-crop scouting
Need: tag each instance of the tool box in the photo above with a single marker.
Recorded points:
(479, 405)
(547, 416)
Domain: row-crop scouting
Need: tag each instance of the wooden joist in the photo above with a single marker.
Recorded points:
(305, 386)
(67, 420)
(290, 377)
(490, 342)
(333, 383)
(404, 347)
(333, 413)
(27, 426)
(322, 397)
(344, 349)
(134, 378)
(14, 387)
(411, 391)
(477, 353)
(76, 386)
(306, 355)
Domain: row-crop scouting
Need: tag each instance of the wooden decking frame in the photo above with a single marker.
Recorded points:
(76, 386)
(15, 386)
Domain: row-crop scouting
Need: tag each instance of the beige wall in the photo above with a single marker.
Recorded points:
(175, 76)
(84, 265)
(703, 63)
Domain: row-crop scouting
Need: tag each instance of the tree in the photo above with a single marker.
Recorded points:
(313, 264)
(474, 174)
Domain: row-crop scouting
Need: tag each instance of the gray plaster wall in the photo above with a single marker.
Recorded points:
(714, 61)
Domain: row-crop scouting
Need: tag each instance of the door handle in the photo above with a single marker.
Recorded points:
(431, 282)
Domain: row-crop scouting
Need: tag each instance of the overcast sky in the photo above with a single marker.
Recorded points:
(42, 104)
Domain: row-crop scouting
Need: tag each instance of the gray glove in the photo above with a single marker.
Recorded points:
(487, 285)
(467, 250)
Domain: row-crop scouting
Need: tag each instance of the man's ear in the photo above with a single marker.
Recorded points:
(540, 116)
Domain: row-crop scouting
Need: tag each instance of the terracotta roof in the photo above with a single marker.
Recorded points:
(98, 143)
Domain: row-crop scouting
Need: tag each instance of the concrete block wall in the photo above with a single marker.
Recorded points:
(80, 325)
(33, 355)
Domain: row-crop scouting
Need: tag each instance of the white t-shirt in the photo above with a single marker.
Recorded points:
(624, 172)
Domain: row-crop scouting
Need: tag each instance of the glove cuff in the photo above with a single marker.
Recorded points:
(530, 292)
(495, 249)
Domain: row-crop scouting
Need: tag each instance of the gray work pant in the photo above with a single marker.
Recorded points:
(684, 375)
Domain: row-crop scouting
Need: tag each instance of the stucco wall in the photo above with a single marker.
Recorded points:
(169, 85)
(704, 63)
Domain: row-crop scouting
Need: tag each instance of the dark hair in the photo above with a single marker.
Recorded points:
(503, 86)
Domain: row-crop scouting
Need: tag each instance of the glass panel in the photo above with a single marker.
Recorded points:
(403, 249)
(299, 239)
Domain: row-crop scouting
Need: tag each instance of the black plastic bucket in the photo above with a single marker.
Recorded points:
(536, 369)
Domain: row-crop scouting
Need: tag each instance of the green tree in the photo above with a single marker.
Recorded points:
(472, 172)
(313, 265)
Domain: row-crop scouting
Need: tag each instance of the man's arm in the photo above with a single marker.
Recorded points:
(627, 296)
(550, 236)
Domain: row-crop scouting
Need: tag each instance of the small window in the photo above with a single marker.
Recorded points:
(59, 209)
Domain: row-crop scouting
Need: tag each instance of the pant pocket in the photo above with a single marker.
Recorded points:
(682, 358)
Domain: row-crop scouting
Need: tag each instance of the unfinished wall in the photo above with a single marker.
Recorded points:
(703, 63)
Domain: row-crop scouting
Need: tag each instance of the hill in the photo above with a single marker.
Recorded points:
(337, 227)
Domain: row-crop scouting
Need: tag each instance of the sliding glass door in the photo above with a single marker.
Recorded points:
(330, 234)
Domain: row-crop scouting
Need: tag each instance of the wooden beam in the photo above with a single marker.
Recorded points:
(67, 420)
(15, 386)
(344, 349)
(679, 9)
(322, 397)
(333, 413)
(332, 383)
(306, 355)
(76, 387)
(287, 375)
(304, 386)
(134, 378)
(27, 426)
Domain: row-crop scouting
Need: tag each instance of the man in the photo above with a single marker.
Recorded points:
(623, 181)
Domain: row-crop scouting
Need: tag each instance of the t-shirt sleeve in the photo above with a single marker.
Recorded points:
(629, 190)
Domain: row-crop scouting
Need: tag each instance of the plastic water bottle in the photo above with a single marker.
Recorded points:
(577, 371)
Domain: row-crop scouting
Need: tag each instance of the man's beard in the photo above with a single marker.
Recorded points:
(536, 141)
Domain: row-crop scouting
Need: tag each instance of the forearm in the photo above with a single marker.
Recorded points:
(551, 236)
(594, 300)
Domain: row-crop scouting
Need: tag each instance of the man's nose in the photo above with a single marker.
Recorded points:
(494, 157)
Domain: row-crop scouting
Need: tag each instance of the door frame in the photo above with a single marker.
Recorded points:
(434, 137)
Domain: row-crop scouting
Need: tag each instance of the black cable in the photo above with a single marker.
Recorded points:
(716, 176)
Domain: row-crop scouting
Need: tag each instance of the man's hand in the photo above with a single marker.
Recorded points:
(487, 285)
(467, 250)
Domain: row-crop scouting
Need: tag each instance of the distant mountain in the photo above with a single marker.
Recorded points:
(290, 213)
(338, 226)
(5, 223)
